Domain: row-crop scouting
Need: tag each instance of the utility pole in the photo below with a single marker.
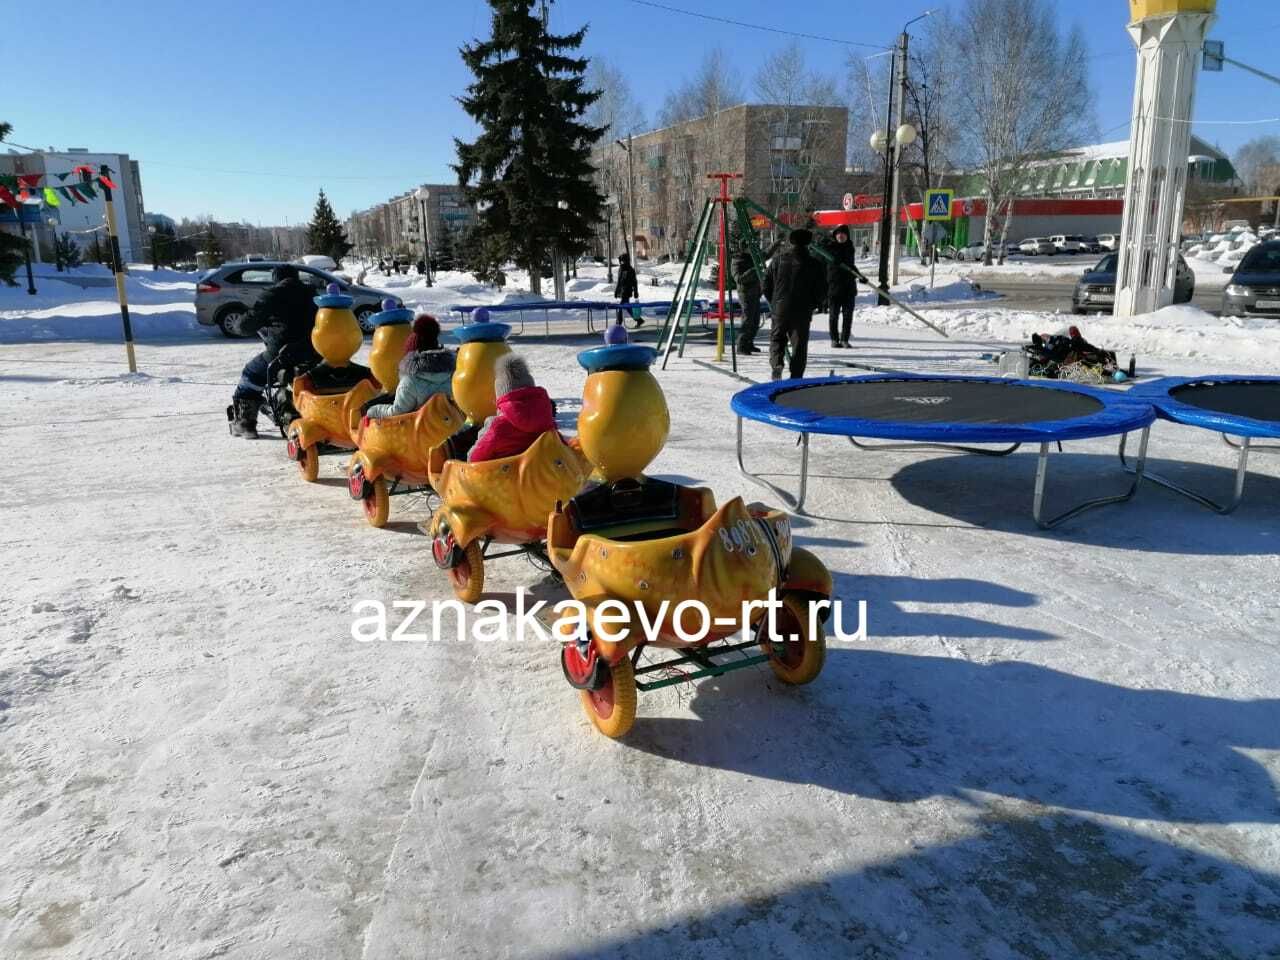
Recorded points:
(885, 216)
(896, 147)
(631, 190)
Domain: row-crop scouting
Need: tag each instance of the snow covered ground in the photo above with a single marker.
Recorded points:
(1052, 745)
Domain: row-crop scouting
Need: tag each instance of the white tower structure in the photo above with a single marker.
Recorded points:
(1169, 35)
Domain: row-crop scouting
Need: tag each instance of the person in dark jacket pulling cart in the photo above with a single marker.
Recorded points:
(794, 285)
(842, 286)
(282, 317)
(628, 287)
(748, 280)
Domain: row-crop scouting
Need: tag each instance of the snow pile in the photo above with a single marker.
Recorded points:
(957, 290)
(1181, 331)
(81, 304)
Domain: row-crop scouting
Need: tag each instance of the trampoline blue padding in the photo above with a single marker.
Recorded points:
(943, 409)
(1241, 406)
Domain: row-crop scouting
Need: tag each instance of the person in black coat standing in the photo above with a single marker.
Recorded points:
(282, 317)
(628, 287)
(794, 285)
(842, 286)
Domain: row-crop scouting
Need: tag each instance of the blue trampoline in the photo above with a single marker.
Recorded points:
(1234, 406)
(945, 411)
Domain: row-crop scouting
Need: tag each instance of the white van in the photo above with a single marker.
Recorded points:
(1067, 244)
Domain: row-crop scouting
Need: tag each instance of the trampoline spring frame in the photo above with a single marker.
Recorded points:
(796, 503)
(1242, 468)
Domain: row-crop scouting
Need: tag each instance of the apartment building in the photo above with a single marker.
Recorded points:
(792, 159)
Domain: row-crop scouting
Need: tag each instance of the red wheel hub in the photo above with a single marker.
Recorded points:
(577, 666)
(356, 484)
(370, 506)
(442, 552)
(460, 573)
(291, 447)
(602, 700)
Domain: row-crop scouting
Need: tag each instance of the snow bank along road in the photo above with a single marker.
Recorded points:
(1058, 745)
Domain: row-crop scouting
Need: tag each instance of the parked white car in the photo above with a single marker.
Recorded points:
(1033, 246)
(1065, 243)
(1108, 241)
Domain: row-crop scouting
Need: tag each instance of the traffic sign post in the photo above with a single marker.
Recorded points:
(937, 205)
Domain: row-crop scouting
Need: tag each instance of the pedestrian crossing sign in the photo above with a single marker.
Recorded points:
(937, 204)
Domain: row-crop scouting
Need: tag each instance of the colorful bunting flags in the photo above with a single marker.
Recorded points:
(24, 187)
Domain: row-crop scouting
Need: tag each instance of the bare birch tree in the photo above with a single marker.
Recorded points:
(793, 97)
(702, 147)
(1026, 95)
(618, 114)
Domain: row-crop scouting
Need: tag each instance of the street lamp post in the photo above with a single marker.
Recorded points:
(26, 247)
(889, 143)
(609, 204)
(631, 192)
(557, 258)
(155, 257)
(57, 252)
(423, 194)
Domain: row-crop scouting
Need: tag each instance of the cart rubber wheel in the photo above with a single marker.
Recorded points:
(309, 464)
(612, 708)
(468, 575)
(377, 504)
(800, 660)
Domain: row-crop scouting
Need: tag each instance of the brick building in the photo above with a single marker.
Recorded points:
(394, 227)
(792, 159)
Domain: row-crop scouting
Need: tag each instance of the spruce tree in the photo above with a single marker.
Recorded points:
(324, 233)
(443, 252)
(534, 149)
(213, 247)
(12, 245)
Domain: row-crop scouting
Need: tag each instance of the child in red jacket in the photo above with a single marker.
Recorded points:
(524, 413)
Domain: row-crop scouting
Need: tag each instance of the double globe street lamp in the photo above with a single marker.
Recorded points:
(890, 144)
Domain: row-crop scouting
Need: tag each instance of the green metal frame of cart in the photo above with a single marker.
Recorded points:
(703, 657)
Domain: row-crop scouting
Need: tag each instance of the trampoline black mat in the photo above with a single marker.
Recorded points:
(939, 401)
(1258, 400)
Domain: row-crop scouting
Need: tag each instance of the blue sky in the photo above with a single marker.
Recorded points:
(244, 110)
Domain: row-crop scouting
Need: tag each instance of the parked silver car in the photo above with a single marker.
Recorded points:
(1254, 288)
(225, 295)
(1036, 246)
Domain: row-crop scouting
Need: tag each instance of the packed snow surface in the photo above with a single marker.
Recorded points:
(1055, 745)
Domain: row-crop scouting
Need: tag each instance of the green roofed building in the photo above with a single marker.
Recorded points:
(1099, 172)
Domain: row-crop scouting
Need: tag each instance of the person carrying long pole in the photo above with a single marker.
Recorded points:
(117, 262)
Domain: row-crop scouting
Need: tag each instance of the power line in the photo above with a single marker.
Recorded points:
(757, 26)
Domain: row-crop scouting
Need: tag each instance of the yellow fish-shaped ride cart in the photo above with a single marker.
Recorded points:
(650, 547)
(328, 398)
(393, 454)
(503, 501)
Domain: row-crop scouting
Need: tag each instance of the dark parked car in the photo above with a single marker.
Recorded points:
(1096, 290)
(225, 295)
(1254, 290)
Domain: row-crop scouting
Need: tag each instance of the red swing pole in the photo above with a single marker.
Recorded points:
(723, 202)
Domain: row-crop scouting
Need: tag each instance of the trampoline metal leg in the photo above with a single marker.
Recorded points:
(1042, 471)
(1242, 468)
(796, 503)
